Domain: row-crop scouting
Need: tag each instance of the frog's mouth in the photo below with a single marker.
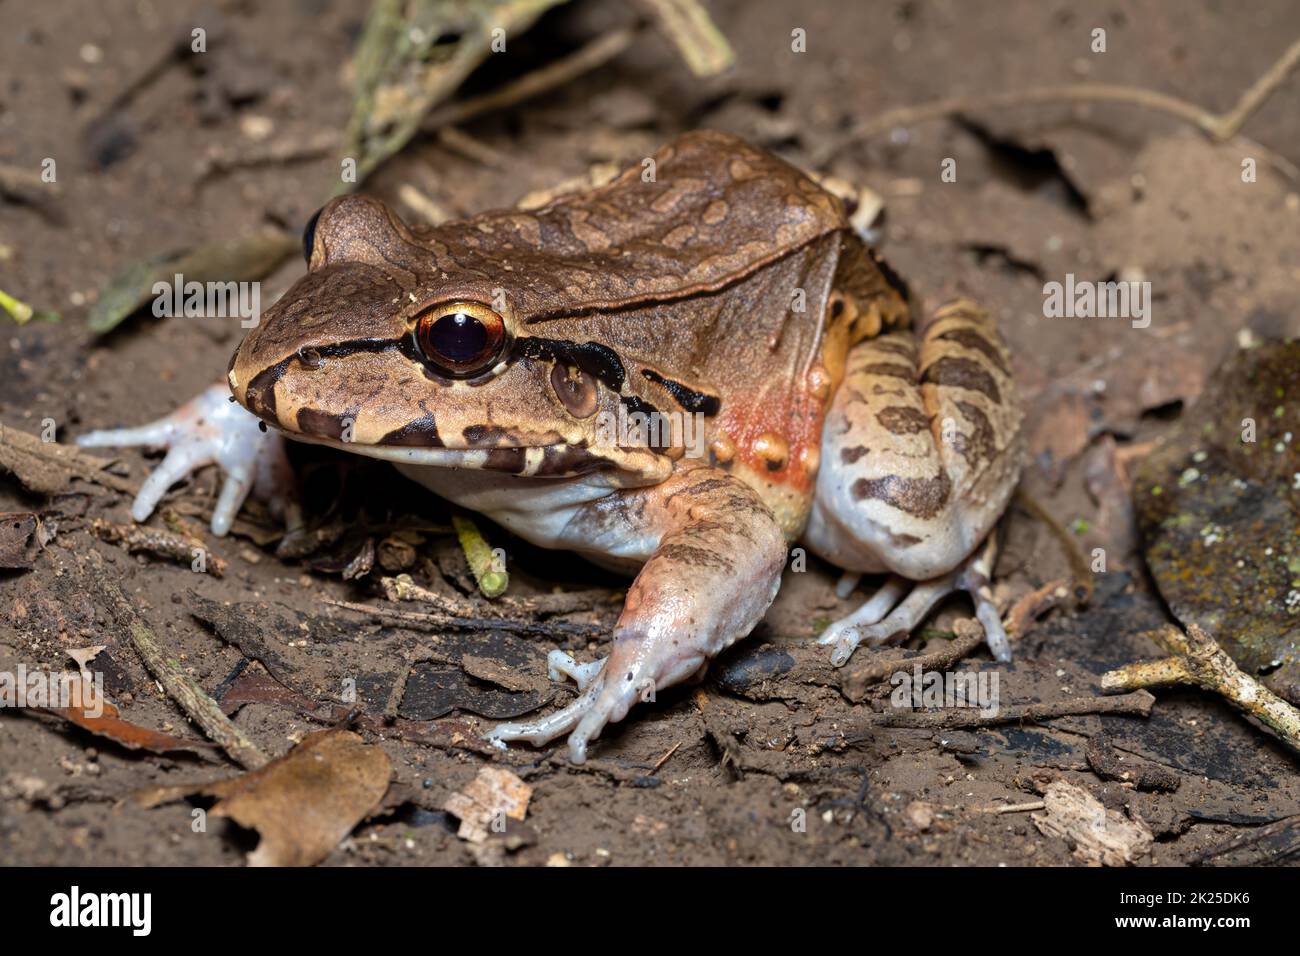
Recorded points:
(537, 461)
(371, 414)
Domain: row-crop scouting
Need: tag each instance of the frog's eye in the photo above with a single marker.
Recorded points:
(460, 338)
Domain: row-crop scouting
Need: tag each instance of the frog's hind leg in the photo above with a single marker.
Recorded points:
(920, 454)
(873, 627)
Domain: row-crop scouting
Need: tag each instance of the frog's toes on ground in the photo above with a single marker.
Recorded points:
(560, 665)
(875, 623)
(543, 730)
(210, 428)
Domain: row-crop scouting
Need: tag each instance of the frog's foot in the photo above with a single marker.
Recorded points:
(639, 668)
(211, 428)
(560, 665)
(874, 623)
(545, 729)
(714, 572)
(890, 593)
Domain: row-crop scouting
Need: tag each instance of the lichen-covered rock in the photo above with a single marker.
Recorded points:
(1218, 507)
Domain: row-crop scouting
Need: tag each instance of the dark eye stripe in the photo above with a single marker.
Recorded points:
(598, 361)
(686, 397)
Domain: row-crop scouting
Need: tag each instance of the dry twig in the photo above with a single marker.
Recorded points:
(967, 641)
(179, 686)
(595, 54)
(1219, 127)
(1199, 661)
(1136, 704)
(445, 622)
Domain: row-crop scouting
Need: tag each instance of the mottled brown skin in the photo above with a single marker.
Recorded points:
(672, 295)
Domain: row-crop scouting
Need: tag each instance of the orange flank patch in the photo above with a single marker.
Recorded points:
(779, 441)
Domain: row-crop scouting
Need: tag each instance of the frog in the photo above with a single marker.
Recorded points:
(687, 374)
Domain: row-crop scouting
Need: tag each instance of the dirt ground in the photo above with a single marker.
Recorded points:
(1099, 190)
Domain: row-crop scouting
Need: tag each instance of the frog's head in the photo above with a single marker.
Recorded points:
(416, 346)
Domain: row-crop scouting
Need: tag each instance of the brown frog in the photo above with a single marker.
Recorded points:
(679, 373)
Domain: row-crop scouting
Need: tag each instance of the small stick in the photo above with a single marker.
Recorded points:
(1020, 807)
(1137, 704)
(156, 541)
(458, 141)
(1246, 839)
(488, 570)
(700, 43)
(855, 685)
(14, 179)
(442, 622)
(403, 588)
(1220, 128)
(1001, 808)
(1199, 661)
(179, 686)
(277, 152)
(1036, 603)
(664, 759)
(596, 53)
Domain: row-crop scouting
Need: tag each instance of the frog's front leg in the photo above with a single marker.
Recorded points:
(714, 572)
(920, 452)
(211, 428)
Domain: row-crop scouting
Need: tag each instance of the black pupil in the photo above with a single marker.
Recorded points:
(458, 337)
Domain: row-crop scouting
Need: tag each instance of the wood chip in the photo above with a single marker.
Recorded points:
(484, 805)
(1099, 837)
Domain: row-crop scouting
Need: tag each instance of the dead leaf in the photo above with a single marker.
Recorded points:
(1099, 837)
(1059, 430)
(84, 655)
(480, 806)
(94, 713)
(304, 803)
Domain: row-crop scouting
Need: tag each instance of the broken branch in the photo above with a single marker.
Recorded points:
(596, 53)
(437, 622)
(179, 686)
(1218, 127)
(1199, 661)
(854, 686)
(1136, 704)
